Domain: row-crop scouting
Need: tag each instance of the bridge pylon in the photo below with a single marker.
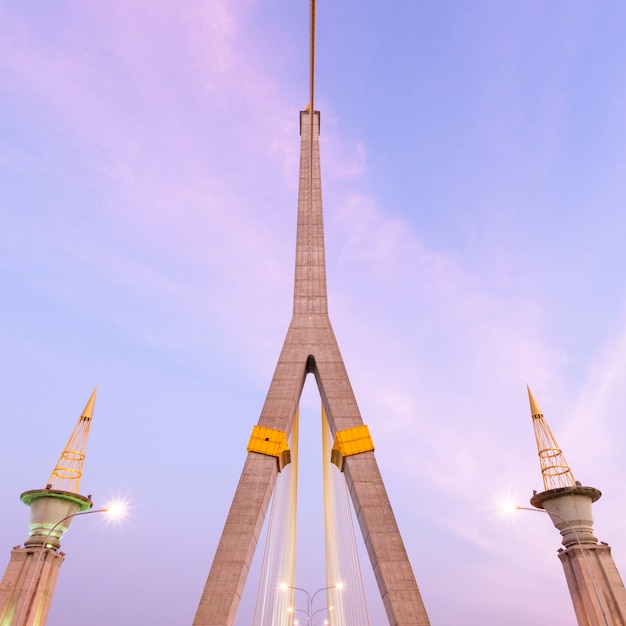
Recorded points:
(310, 347)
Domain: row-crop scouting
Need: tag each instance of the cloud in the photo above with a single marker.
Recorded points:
(156, 210)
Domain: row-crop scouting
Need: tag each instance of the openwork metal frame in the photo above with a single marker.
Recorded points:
(68, 470)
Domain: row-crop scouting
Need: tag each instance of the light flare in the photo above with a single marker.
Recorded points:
(508, 507)
(116, 510)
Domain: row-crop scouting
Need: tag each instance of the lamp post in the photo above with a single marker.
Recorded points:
(292, 609)
(310, 598)
(44, 547)
(579, 543)
(324, 622)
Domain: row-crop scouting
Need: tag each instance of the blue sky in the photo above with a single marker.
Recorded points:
(474, 176)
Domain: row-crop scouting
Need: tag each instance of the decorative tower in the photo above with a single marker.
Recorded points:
(594, 583)
(28, 584)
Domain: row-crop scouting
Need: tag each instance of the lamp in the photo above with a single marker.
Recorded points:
(310, 599)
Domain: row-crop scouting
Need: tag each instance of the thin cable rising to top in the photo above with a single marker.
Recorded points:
(312, 62)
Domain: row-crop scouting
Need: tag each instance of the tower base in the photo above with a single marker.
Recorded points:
(595, 585)
(28, 585)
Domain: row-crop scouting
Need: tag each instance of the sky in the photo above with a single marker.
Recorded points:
(474, 181)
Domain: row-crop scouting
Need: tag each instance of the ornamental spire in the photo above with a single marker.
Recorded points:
(555, 471)
(68, 470)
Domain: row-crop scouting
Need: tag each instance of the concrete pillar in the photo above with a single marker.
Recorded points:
(28, 584)
(596, 588)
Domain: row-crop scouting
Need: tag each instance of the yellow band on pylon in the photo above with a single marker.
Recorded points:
(351, 441)
(271, 443)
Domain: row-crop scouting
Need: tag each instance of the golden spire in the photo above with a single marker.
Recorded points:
(68, 471)
(554, 468)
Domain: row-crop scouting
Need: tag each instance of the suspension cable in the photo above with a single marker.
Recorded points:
(312, 62)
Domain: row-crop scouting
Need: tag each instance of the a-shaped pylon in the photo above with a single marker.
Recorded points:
(310, 348)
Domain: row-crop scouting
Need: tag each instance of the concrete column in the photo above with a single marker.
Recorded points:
(596, 588)
(28, 585)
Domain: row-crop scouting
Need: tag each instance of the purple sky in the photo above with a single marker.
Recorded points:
(474, 176)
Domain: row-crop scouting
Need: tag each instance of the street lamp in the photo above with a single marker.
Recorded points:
(328, 609)
(310, 598)
(324, 622)
(292, 609)
(578, 543)
(117, 510)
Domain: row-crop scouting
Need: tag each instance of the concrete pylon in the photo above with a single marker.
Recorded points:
(594, 583)
(311, 347)
(28, 584)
